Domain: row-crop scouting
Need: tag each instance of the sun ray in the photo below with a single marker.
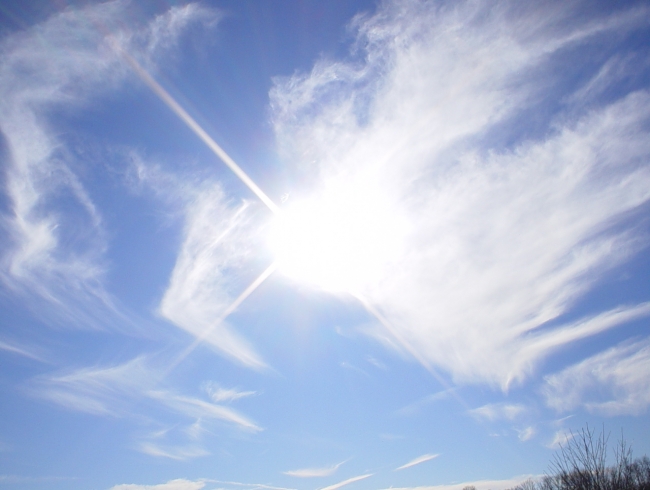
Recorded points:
(227, 312)
(194, 126)
(406, 345)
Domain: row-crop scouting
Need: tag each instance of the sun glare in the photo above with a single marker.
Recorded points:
(337, 241)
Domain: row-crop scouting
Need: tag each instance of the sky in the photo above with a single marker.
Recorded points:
(318, 245)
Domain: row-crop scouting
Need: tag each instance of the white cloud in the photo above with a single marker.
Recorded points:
(347, 482)
(560, 439)
(496, 239)
(219, 394)
(55, 252)
(21, 350)
(418, 460)
(99, 391)
(415, 407)
(219, 246)
(201, 409)
(314, 472)
(178, 453)
(526, 433)
(182, 484)
(179, 484)
(479, 484)
(132, 389)
(498, 411)
(614, 382)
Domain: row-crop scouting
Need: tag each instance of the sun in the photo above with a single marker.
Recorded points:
(339, 240)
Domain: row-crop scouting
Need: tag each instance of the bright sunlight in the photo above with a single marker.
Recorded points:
(338, 240)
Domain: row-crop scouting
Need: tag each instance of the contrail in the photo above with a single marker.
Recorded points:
(195, 127)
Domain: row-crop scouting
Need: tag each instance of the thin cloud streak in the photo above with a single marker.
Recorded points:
(106, 391)
(613, 382)
(30, 353)
(182, 453)
(421, 459)
(200, 409)
(179, 484)
(504, 238)
(126, 390)
(314, 472)
(219, 394)
(479, 484)
(417, 406)
(347, 482)
(498, 411)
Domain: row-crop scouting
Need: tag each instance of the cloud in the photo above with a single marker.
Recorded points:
(347, 482)
(219, 394)
(133, 390)
(560, 439)
(613, 382)
(479, 484)
(314, 472)
(54, 238)
(504, 215)
(21, 350)
(254, 485)
(200, 409)
(99, 391)
(178, 453)
(182, 484)
(526, 434)
(498, 411)
(415, 407)
(418, 460)
(377, 363)
(179, 484)
(219, 242)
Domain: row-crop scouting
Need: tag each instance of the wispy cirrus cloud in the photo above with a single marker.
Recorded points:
(347, 482)
(223, 241)
(54, 239)
(499, 411)
(179, 484)
(508, 224)
(417, 406)
(219, 246)
(219, 394)
(21, 350)
(420, 459)
(201, 409)
(178, 453)
(219, 242)
(134, 389)
(613, 382)
(182, 484)
(479, 484)
(527, 433)
(560, 439)
(314, 472)
(98, 390)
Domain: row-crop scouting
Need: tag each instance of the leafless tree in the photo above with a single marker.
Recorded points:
(581, 464)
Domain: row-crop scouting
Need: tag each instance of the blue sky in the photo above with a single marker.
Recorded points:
(314, 245)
